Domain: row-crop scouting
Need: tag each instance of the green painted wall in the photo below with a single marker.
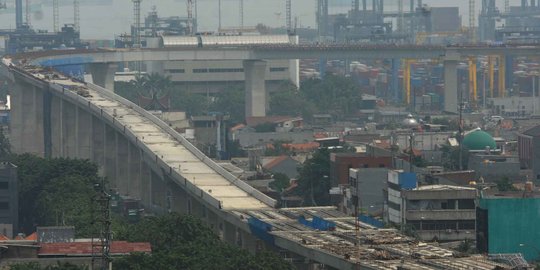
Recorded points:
(511, 222)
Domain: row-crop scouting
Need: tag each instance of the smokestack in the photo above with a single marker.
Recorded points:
(18, 13)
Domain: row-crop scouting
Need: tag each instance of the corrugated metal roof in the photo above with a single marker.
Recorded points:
(175, 41)
(245, 40)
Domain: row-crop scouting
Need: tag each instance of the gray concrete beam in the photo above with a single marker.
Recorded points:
(134, 173)
(255, 71)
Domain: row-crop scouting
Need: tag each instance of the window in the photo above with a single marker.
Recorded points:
(278, 69)
(177, 70)
(4, 185)
(4, 205)
(200, 70)
(381, 166)
(225, 70)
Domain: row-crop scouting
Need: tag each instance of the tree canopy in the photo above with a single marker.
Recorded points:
(61, 191)
(183, 242)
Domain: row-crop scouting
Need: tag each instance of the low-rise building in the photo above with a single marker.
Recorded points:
(440, 212)
(507, 222)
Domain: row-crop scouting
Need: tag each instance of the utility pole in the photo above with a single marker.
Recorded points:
(460, 135)
(219, 15)
(241, 14)
(76, 16)
(28, 13)
(102, 246)
(56, 16)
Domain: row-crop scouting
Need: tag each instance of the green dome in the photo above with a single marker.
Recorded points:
(479, 140)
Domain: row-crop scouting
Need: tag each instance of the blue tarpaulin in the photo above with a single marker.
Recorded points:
(261, 229)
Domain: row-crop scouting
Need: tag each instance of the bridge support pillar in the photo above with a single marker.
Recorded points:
(26, 128)
(103, 74)
(56, 126)
(229, 233)
(110, 156)
(134, 173)
(159, 191)
(450, 83)
(249, 242)
(146, 182)
(69, 133)
(98, 144)
(255, 74)
(84, 134)
(122, 162)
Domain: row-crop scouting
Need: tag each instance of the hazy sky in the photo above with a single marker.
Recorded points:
(115, 16)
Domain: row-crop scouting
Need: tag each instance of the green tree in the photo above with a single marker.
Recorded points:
(505, 185)
(291, 102)
(60, 190)
(183, 242)
(336, 95)
(314, 178)
(231, 101)
(281, 182)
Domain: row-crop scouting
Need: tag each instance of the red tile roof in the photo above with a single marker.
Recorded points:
(32, 237)
(275, 162)
(3, 238)
(85, 248)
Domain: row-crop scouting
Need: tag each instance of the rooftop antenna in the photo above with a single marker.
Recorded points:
(219, 15)
(28, 12)
(241, 14)
(56, 16)
(76, 16)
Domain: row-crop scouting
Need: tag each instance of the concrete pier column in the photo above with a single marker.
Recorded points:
(26, 128)
(212, 221)
(122, 166)
(103, 74)
(178, 199)
(229, 233)
(84, 134)
(255, 74)
(98, 144)
(110, 156)
(69, 130)
(146, 183)
(56, 126)
(249, 242)
(450, 82)
(134, 173)
(39, 118)
(394, 81)
(159, 191)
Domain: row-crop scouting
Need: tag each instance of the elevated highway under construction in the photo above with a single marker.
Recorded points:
(57, 116)
(103, 62)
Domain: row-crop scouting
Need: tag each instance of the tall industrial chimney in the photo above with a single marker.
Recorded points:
(18, 13)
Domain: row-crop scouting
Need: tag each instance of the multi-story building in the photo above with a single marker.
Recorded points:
(440, 212)
(529, 151)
